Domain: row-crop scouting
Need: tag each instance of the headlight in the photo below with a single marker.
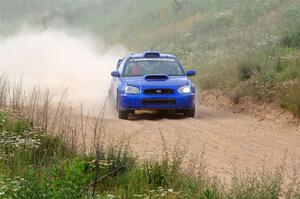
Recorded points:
(131, 90)
(185, 89)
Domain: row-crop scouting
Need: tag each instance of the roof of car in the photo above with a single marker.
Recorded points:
(143, 55)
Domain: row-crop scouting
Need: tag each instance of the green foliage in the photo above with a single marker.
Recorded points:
(290, 67)
(290, 99)
(291, 39)
(157, 174)
(63, 180)
(22, 144)
(247, 69)
(262, 185)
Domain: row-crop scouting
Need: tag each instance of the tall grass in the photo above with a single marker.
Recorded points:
(49, 113)
(291, 99)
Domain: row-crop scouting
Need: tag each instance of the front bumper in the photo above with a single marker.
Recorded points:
(156, 102)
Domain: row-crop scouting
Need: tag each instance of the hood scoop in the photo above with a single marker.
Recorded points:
(156, 77)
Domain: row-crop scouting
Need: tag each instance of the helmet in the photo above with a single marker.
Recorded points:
(136, 69)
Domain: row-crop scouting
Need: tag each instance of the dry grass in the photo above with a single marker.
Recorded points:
(53, 115)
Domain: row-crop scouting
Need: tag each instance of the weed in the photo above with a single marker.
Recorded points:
(259, 185)
(290, 99)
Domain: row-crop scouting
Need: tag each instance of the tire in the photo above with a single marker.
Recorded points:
(123, 114)
(189, 112)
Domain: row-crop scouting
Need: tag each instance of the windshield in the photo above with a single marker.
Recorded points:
(144, 66)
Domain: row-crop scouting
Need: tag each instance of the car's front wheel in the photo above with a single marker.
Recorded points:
(123, 114)
(189, 112)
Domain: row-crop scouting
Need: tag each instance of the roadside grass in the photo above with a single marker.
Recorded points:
(265, 78)
(256, 185)
(290, 100)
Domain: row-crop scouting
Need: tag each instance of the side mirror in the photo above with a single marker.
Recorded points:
(115, 74)
(190, 73)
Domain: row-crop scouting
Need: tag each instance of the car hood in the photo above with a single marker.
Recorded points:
(171, 81)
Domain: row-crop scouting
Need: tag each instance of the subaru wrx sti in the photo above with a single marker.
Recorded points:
(152, 81)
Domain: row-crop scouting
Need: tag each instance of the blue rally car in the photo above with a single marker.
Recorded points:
(152, 81)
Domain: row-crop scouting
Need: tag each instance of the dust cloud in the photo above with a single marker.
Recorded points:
(60, 61)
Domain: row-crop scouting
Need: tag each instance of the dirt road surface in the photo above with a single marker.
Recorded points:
(226, 140)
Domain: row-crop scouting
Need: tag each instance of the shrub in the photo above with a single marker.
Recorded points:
(290, 99)
(262, 185)
(291, 39)
(247, 69)
(245, 72)
(63, 180)
(290, 68)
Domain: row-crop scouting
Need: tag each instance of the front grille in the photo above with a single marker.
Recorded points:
(169, 101)
(158, 91)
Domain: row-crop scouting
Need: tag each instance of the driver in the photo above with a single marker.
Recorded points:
(136, 69)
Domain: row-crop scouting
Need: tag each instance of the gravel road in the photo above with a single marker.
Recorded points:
(224, 139)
